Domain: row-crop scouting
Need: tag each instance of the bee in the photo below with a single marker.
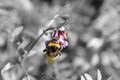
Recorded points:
(53, 51)
(56, 44)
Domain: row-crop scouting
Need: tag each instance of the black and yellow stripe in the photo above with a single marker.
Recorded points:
(54, 45)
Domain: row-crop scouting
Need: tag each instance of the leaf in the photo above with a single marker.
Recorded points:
(8, 75)
(110, 78)
(95, 59)
(26, 78)
(30, 77)
(99, 76)
(26, 4)
(16, 32)
(7, 67)
(82, 78)
(95, 43)
(88, 77)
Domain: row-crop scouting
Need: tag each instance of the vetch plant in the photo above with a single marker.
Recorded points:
(53, 48)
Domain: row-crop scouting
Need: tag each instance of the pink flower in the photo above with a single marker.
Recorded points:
(60, 36)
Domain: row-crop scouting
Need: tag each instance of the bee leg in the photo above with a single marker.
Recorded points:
(61, 49)
(44, 50)
(60, 53)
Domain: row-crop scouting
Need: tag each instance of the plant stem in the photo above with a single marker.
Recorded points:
(25, 72)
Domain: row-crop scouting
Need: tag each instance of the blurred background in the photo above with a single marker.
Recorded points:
(94, 41)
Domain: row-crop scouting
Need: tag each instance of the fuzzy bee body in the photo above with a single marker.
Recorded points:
(52, 51)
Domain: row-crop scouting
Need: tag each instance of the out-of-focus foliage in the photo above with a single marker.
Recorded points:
(94, 41)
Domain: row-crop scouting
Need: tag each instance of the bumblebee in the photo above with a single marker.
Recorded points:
(53, 51)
